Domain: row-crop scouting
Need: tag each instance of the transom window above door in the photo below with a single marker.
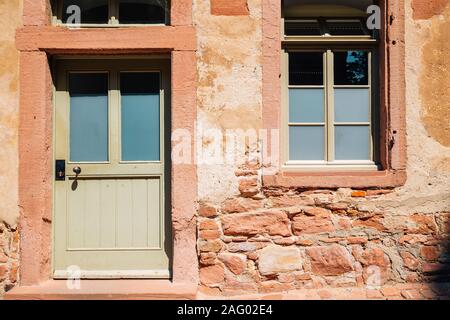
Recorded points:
(111, 12)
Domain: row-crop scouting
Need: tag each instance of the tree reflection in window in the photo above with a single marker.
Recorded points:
(351, 68)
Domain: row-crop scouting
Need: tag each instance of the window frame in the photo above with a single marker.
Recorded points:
(113, 17)
(328, 44)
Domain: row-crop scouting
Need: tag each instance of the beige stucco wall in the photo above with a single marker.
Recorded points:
(229, 88)
(10, 18)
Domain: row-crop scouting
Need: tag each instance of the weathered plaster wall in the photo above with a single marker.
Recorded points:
(229, 88)
(10, 18)
(256, 239)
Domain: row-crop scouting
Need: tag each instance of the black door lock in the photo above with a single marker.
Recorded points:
(60, 170)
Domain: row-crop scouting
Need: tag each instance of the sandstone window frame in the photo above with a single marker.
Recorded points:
(113, 17)
(392, 124)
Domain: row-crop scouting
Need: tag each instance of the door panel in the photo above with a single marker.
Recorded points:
(110, 123)
(114, 214)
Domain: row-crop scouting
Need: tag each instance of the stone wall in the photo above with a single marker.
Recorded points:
(287, 239)
(10, 13)
(256, 239)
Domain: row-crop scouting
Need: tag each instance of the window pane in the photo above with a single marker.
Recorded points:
(88, 117)
(306, 105)
(140, 116)
(352, 142)
(302, 28)
(306, 143)
(351, 105)
(345, 28)
(351, 68)
(142, 11)
(91, 11)
(306, 68)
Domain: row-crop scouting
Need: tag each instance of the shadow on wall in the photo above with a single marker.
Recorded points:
(439, 273)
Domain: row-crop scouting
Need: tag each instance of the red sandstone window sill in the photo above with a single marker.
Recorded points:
(351, 179)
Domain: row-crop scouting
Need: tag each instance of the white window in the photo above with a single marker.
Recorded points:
(330, 87)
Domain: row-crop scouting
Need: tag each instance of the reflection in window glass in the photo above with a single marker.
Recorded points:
(88, 117)
(140, 116)
(302, 28)
(345, 28)
(306, 68)
(351, 68)
(142, 11)
(91, 11)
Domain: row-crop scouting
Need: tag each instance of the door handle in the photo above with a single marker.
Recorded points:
(77, 171)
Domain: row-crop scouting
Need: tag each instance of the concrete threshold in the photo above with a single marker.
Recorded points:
(105, 290)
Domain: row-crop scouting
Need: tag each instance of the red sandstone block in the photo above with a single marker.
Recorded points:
(358, 194)
(248, 187)
(212, 275)
(272, 222)
(429, 253)
(428, 293)
(374, 294)
(209, 234)
(275, 286)
(239, 205)
(304, 224)
(208, 225)
(3, 272)
(229, 7)
(356, 240)
(330, 260)
(210, 245)
(411, 295)
(208, 258)
(207, 211)
(390, 291)
(378, 192)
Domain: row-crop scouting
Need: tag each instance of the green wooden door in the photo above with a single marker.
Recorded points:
(110, 124)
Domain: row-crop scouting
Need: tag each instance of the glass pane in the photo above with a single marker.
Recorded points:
(302, 28)
(352, 142)
(351, 68)
(306, 105)
(345, 28)
(91, 11)
(306, 68)
(88, 117)
(142, 11)
(306, 143)
(140, 116)
(351, 105)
